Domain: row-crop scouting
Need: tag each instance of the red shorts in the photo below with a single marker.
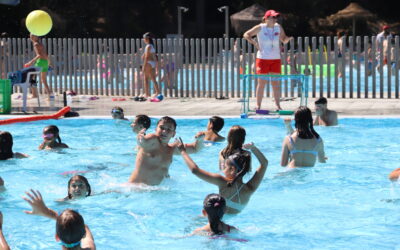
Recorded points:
(266, 66)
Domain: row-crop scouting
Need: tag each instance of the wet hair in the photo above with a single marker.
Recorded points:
(236, 137)
(70, 227)
(149, 36)
(214, 205)
(242, 162)
(321, 100)
(54, 130)
(167, 119)
(6, 143)
(304, 123)
(144, 120)
(82, 179)
(217, 123)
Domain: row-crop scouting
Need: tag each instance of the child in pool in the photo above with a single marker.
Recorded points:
(6, 144)
(3, 242)
(215, 124)
(51, 138)
(71, 230)
(236, 138)
(214, 207)
(78, 187)
(117, 113)
(140, 122)
(231, 186)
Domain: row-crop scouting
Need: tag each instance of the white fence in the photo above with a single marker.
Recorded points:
(211, 67)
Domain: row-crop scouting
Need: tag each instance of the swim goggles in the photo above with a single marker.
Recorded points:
(70, 245)
(48, 136)
(116, 111)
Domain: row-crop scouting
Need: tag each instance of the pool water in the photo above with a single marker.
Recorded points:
(347, 203)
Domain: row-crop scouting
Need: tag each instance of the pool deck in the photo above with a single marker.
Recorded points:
(201, 106)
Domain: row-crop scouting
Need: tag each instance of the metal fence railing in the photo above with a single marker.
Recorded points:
(212, 67)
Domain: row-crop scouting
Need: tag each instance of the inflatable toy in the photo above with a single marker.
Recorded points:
(39, 23)
(57, 115)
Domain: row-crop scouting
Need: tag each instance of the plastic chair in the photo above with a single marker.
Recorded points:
(25, 78)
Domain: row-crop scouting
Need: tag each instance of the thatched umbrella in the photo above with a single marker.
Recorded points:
(247, 18)
(352, 12)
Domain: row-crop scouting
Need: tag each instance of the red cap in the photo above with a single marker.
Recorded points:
(385, 27)
(270, 13)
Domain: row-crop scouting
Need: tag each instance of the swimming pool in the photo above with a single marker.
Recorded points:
(347, 203)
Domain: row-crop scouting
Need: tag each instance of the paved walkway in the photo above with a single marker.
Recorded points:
(201, 106)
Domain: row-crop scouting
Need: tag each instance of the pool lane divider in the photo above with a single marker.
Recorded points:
(57, 115)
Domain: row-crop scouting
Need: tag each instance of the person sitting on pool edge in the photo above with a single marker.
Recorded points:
(71, 230)
(324, 116)
(6, 144)
(51, 138)
(141, 122)
(231, 185)
(215, 124)
(117, 113)
(155, 152)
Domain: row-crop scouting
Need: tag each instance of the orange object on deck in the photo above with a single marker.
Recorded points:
(57, 115)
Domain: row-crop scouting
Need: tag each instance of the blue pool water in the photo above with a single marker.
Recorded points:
(347, 203)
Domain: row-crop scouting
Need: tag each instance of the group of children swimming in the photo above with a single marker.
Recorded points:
(301, 148)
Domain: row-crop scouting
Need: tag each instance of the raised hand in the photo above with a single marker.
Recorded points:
(248, 146)
(36, 201)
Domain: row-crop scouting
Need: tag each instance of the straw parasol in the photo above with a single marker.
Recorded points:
(352, 12)
(247, 18)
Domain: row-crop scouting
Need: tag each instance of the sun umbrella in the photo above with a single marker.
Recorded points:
(247, 18)
(352, 12)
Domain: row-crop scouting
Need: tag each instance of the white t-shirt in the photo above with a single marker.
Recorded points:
(268, 40)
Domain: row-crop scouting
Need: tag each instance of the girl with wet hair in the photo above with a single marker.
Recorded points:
(6, 144)
(214, 207)
(231, 185)
(51, 138)
(78, 187)
(304, 145)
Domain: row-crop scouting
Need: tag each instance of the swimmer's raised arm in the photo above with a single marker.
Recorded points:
(193, 147)
(3, 243)
(38, 206)
(144, 140)
(288, 125)
(202, 174)
(255, 181)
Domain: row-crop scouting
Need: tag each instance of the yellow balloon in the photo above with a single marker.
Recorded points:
(38, 22)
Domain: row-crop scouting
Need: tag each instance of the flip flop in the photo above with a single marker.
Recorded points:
(155, 100)
(136, 98)
(142, 99)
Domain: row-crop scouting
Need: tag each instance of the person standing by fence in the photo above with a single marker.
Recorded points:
(268, 60)
(40, 60)
(149, 66)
